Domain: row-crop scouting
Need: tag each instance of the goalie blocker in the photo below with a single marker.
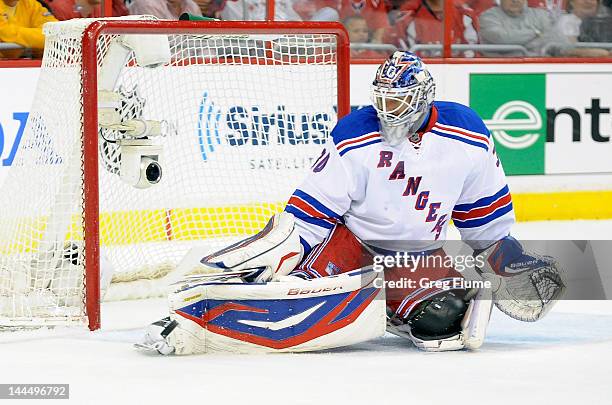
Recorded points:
(251, 304)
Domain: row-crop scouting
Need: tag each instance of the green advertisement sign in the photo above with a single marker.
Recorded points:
(513, 106)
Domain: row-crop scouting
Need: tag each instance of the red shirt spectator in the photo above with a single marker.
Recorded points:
(422, 22)
(374, 12)
(69, 9)
(477, 6)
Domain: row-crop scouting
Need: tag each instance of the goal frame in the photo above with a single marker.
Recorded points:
(89, 83)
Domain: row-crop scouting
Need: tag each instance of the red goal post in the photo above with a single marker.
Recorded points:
(90, 108)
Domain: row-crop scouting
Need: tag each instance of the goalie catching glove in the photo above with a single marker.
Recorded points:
(525, 285)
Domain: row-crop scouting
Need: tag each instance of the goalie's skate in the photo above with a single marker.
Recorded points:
(155, 337)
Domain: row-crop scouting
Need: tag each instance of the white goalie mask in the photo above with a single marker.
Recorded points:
(402, 94)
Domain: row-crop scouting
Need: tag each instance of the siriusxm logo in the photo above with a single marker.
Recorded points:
(209, 119)
(250, 126)
(9, 143)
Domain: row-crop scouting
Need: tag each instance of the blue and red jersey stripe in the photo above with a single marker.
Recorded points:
(307, 208)
(484, 210)
(358, 142)
(462, 135)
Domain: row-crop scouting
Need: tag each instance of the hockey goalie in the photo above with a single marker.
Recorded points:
(389, 181)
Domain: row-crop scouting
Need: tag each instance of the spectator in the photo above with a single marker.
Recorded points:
(21, 22)
(393, 9)
(512, 22)
(373, 11)
(422, 22)
(394, 4)
(309, 11)
(69, 9)
(587, 21)
(255, 10)
(475, 6)
(211, 8)
(578, 10)
(555, 7)
(360, 34)
(164, 9)
(596, 29)
(479, 6)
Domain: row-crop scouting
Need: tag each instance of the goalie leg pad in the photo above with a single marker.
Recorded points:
(294, 315)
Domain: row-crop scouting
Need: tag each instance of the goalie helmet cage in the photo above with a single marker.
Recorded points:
(272, 74)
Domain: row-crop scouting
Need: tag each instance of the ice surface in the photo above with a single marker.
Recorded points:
(566, 358)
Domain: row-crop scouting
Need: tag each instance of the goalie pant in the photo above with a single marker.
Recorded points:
(408, 287)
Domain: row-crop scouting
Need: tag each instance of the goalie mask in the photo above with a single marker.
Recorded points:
(402, 93)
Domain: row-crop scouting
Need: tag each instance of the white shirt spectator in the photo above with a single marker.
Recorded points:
(255, 10)
(569, 25)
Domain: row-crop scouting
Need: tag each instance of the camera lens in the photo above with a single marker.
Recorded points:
(153, 172)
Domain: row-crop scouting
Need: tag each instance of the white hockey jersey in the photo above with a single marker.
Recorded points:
(398, 198)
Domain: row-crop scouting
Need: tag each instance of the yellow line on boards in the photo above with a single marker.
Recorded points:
(185, 224)
(562, 205)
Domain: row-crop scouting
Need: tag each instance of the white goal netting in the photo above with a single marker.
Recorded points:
(220, 128)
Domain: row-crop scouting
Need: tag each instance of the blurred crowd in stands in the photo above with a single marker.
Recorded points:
(480, 28)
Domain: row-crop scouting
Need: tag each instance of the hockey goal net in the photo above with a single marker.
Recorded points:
(149, 138)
